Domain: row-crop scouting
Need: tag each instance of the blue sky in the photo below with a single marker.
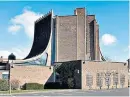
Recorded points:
(17, 18)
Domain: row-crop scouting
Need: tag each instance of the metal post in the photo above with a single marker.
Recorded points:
(54, 73)
(9, 78)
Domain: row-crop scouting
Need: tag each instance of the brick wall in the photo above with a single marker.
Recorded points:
(90, 37)
(71, 36)
(31, 74)
(81, 33)
(97, 53)
(66, 41)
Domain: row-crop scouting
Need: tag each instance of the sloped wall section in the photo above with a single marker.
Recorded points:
(42, 34)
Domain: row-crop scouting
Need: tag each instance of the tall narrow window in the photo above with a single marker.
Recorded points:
(108, 79)
(122, 80)
(99, 80)
(115, 79)
(89, 79)
(5, 76)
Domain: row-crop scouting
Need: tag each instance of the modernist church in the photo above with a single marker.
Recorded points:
(71, 42)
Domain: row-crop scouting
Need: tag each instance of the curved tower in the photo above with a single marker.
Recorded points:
(42, 42)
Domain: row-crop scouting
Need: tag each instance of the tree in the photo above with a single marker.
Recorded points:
(70, 83)
(4, 85)
(66, 71)
(107, 58)
(15, 84)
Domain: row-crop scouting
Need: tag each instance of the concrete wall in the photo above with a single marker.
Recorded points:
(31, 74)
(96, 67)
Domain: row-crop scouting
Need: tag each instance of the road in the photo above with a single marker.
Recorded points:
(114, 92)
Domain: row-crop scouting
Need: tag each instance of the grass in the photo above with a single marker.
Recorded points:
(26, 91)
(21, 91)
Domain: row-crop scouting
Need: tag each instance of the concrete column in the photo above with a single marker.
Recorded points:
(81, 30)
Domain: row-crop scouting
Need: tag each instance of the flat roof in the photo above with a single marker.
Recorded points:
(91, 61)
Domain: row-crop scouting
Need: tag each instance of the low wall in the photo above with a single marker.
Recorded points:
(31, 74)
(91, 68)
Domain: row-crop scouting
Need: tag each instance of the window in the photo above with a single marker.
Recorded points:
(115, 79)
(99, 79)
(108, 79)
(5, 76)
(89, 79)
(122, 79)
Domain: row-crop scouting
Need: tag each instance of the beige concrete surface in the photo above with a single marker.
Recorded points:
(93, 67)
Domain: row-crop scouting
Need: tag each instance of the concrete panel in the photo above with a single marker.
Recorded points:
(95, 67)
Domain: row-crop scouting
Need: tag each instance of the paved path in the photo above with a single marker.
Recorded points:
(114, 92)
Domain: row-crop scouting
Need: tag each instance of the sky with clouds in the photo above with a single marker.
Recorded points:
(17, 25)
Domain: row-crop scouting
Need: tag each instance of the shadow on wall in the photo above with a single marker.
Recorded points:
(67, 75)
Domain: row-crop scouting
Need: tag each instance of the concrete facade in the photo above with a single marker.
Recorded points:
(92, 68)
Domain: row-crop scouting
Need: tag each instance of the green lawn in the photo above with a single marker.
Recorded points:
(26, 91)
(21, 91)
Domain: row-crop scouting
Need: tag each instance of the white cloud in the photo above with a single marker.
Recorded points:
(4, 53)
(108, 39)
(25, 21)
(19, 52)
(14, 28)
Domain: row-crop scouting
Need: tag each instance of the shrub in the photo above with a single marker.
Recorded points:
(15, 84)
(70, 83)
(32, 86)
(4, 85)
(52, 85)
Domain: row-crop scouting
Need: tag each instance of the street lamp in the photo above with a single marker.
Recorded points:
(11, 57)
